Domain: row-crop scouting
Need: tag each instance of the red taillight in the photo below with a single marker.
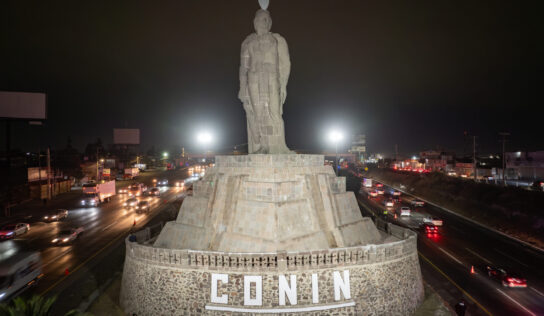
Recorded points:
(509, 279)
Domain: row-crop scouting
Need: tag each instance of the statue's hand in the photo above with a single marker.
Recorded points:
(283, 95)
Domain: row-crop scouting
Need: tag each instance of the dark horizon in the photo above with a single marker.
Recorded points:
(414, 75)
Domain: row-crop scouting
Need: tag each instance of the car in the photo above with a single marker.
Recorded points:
(179, 183)
(417, 203)
(380, 191)
(55, 215)
(134, 191)
(388, 203)
(430, 229)
(163, 182)
(379, 185)
(123, 191)
(373, 193)
(396, 199)
(67, 236)
(142, 206)
(155, 192)
(405, 211)
(432, 220)
(132, 202)
(13, 230)
(506, 277)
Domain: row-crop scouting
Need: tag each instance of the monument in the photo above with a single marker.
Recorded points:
(271, 232)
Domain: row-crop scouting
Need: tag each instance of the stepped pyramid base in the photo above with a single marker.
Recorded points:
(269, 203)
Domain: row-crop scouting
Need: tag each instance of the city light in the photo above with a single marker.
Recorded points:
(204, 138)
(335, 136)
(165, 154)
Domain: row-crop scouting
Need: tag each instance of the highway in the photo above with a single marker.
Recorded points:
(447, 259)
(102, 225)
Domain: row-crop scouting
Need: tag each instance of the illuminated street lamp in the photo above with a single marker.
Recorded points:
(97, 173)
(336, 137)
(204, 139)
(165, 155)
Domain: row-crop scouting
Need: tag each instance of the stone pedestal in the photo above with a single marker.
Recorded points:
(269, 203)
(272, 234)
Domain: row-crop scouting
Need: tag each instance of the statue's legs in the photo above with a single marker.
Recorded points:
(278, 139)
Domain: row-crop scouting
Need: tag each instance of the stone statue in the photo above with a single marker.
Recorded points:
(264, 71)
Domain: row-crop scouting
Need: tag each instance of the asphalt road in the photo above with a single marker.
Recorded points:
(446, 261)
(102, 225)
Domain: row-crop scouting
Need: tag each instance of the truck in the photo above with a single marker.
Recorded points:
(19, 272)
(141, 166)
(131, 173)
(96, 193)
(367, 183)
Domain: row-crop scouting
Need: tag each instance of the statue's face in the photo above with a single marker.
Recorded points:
(262, 22)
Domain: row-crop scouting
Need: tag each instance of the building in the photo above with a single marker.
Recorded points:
(524, 165)
(358, 147)
(437, 160)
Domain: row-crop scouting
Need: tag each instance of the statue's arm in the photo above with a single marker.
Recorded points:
(243, 94)
(284, 65)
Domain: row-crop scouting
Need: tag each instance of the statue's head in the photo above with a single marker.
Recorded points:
(262, 22)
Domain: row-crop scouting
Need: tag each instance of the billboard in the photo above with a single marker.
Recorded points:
(126, 136)
(36, 174)
(22, 105)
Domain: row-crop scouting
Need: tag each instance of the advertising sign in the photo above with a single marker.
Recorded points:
(22, 105)
(126, 136)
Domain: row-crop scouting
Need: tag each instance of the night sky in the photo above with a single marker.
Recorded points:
(417, 74)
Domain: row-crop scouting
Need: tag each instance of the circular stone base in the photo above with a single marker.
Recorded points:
(383, 279)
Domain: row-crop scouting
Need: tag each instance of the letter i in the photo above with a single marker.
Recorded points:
(315, 290)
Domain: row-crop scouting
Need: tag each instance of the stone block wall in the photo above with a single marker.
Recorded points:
(384, 279)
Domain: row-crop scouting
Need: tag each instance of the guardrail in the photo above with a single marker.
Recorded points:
(303, 260)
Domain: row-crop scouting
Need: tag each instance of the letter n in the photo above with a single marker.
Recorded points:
(285, 289)
(341, 285)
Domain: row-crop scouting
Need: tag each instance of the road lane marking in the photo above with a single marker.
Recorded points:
(513, 300)
(84, 262)
(516, 260)
(451, 256)
(532, 288)
(477, 255)
(103, 229)
(455, 284)
(57, 257)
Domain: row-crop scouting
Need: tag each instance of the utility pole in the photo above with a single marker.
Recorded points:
(503, 134)
(474, 165)
(48, 173)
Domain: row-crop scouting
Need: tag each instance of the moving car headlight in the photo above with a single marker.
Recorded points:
(2, 295)
(9, 234)
(83, 202)
(54, 216)
(65, 239)
(55, 240)
(125, 204)
(46, 217)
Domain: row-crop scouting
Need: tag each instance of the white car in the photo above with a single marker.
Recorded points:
(405, 211)
(13, 230)
(417, 203)
(132, 202)
(432, 220)
(67, 236)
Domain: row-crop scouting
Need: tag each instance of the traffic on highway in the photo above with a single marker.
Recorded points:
(40, 249)
(494, 274)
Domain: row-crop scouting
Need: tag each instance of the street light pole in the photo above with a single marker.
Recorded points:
(336, 159)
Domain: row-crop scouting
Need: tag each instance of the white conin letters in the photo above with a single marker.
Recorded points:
(223, 299)
(315, 289)
(248, 280)
(285, 289)
(340, 284)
